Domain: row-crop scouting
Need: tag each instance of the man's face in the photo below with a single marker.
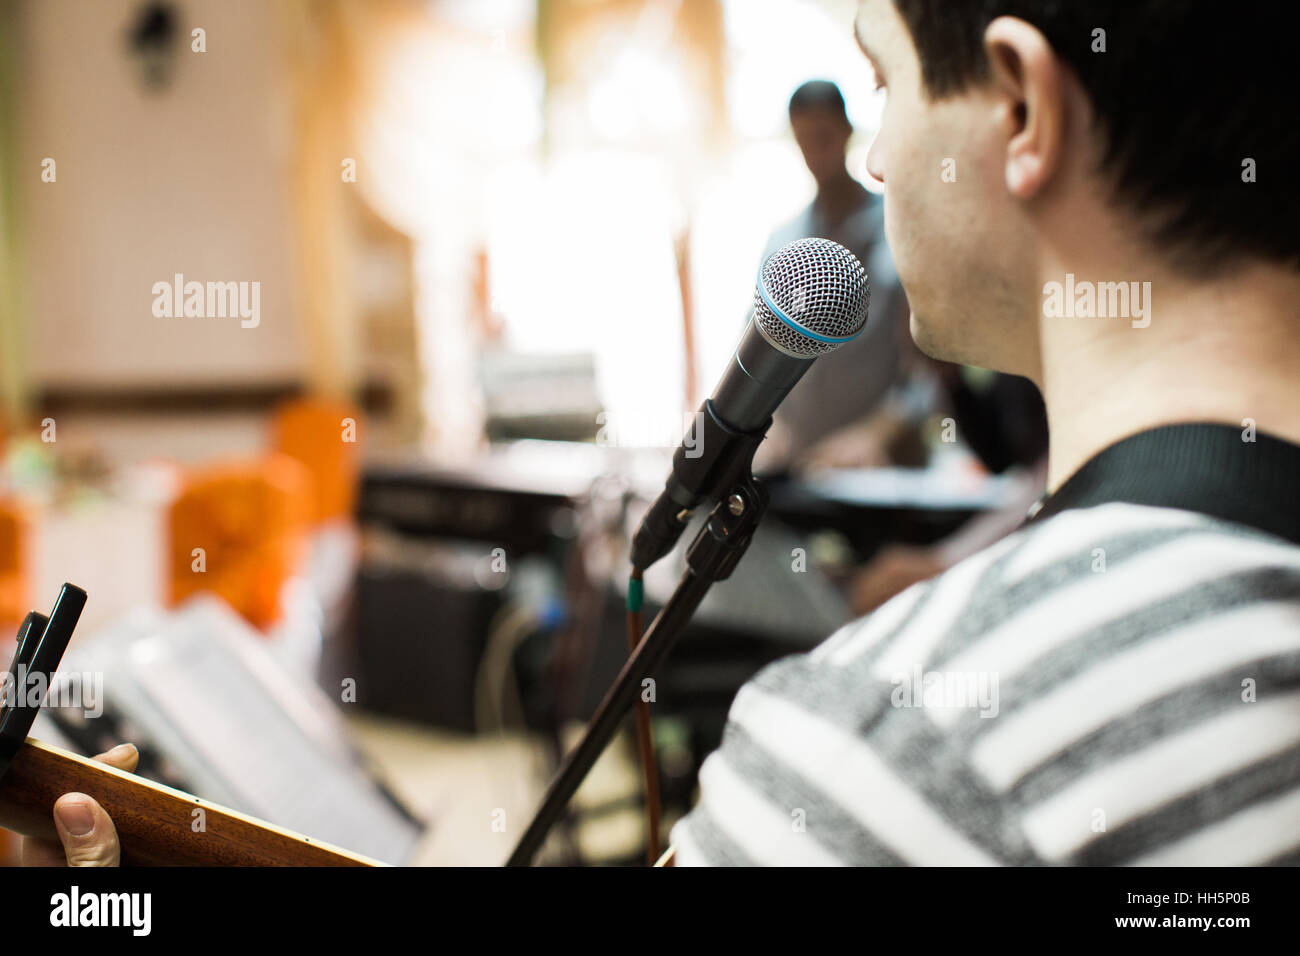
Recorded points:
(823, 138)
(961, 243)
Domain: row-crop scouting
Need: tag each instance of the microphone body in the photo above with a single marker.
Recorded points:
(757, 380)
(811, 298)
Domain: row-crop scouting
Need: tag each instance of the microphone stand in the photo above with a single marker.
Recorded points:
(712, 556)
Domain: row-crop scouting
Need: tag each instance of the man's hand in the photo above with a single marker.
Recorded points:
(894, 569)
(863, 445)
(887, 437)
(86, 834)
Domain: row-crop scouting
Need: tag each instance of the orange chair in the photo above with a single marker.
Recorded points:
(324, 436)
(14, 605)
(14, 595)
(238, 530)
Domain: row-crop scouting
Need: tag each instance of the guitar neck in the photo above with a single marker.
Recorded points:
(156, 825)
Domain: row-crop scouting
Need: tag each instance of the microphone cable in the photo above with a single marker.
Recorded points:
(645, 738)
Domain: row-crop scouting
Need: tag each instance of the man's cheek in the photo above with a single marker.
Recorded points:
(903, 215)
(892, 237)
(911, 230)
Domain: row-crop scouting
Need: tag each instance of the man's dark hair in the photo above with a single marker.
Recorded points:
(1185, 93)
(818, 95)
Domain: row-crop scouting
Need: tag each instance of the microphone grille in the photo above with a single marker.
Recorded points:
(812, 297)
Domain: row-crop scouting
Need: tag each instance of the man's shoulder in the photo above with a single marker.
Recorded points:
(1116, 646)
(1098, 562)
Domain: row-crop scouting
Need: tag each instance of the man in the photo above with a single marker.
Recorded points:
(845, 387)
(1118, 682)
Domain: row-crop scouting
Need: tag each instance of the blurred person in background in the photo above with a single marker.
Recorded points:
(843, 412)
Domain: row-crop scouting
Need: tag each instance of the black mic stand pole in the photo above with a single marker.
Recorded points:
(712, 556)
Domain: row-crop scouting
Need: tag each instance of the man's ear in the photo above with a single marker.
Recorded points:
(1028, 79)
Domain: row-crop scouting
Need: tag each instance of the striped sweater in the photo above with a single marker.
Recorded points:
(1115, 684)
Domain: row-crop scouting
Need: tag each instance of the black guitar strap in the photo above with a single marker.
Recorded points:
(1221, 471)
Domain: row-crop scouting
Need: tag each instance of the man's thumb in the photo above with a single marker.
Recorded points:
(88, 835)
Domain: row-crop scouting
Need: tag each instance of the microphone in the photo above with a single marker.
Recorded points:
(811, 297)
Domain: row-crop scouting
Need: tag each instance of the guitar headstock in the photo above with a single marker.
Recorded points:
(41, 643)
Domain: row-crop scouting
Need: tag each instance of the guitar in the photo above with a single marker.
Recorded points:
(156, 825)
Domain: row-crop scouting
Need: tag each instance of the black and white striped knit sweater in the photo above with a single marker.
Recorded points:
(1118, 682)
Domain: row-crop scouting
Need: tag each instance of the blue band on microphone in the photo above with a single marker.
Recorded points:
(762, 290)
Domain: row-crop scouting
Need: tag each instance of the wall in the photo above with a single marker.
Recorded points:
(191, 180)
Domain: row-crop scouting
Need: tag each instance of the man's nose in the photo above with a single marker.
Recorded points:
(875, 164)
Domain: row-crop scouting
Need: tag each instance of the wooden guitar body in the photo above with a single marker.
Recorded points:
(156, 825)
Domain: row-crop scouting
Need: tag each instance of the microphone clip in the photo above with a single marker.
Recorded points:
(713, 464)
(723, 540)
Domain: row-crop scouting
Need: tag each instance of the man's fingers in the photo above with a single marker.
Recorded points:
(88, 835)
(123, 757)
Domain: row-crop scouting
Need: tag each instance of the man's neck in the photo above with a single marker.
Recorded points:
(1221, 351)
